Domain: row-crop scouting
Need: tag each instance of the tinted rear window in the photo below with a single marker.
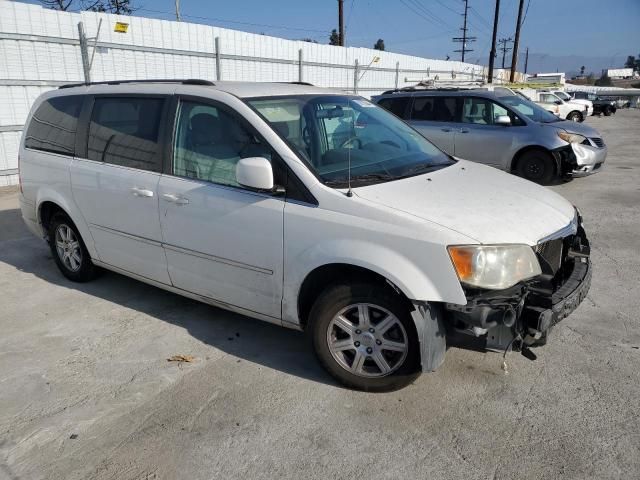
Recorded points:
(124, 131)
(397, 106)
(436, 109)
(53, 125)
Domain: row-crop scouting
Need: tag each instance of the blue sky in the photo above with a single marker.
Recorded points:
(562, 34)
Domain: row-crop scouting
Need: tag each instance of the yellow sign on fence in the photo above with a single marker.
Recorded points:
(121, 27)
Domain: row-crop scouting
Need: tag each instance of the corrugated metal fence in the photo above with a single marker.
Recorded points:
(41, 49)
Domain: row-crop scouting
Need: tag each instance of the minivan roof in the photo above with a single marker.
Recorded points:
(239, 89)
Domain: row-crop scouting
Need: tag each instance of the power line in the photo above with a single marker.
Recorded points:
(222, 20)
(417, 12)
(428, 12)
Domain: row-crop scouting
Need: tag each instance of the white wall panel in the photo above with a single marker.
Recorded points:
(54, 56)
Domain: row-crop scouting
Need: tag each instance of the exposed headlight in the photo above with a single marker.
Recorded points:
(571, 137)
(494, 266)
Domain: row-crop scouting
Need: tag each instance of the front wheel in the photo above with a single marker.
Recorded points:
(608, 111)
(537, 166)
(575, 117)
(365, 338)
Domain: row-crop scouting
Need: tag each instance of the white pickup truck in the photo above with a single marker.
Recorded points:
(575, 112)
(565, 97)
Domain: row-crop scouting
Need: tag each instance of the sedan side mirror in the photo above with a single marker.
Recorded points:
(255, 173)
(503, 120)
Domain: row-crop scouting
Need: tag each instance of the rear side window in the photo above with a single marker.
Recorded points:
(397, 105)
(124, 131)
(53, 125)
(436, 109)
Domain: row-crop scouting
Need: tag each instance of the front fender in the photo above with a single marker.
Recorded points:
(438, 285)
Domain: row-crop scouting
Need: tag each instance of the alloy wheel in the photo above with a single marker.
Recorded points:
(367, 340)
(68, 247)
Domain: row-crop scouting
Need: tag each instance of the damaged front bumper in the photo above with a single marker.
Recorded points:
(522, 316)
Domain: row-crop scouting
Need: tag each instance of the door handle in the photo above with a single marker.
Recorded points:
(464, 130)
(141, 192)
(173, 198)
(445, 129)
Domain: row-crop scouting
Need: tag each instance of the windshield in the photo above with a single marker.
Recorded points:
(335, 132)
(563, 96)
(530, 109)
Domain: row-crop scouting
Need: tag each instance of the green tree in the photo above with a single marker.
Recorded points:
(631, 62)
(582, 70)
(379, 45)
(604, 81)
(334, 38)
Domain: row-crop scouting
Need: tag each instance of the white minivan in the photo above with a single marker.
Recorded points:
(305, 207)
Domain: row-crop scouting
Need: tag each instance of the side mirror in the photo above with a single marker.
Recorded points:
(503, 120)
(558, 102)
(255, 173)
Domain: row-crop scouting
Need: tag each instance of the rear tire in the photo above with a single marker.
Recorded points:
(364, 336)
(536, 166)
(69, 250)
(575, 117)
(608, 111)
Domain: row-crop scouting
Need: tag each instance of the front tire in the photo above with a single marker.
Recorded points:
(608, 111)
(364, 337)
(69, 251)
(575, 117)
(537, 166)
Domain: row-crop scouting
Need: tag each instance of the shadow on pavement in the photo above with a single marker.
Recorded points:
(269, 345)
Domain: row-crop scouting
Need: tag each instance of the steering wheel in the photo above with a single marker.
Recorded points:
(351, 140)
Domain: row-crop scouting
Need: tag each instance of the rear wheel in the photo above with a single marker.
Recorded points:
(575, 117)
(608, 111)
(364, 336)
(537, 166)
(69, 251)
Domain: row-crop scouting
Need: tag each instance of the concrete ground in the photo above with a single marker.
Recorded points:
(86, 390)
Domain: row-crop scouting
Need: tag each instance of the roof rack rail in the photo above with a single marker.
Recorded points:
(299, 83)
(188, 81)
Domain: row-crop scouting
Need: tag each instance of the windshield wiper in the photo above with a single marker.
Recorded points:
(423, 168)
(360, 178)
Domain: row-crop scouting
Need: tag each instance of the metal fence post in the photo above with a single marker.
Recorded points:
(397, 73)
(84, 53)
(300, 59)
(218, 68)
(356, 74)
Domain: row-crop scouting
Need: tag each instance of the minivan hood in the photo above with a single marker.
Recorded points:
(575, 127)
(478, 201)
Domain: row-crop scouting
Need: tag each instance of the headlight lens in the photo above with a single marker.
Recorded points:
(571, 137)
(494, 266)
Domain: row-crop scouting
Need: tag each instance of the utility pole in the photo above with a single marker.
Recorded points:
(492, 54)
(341, 21)
(464, 39)
(514, 58)
(526, 60)
(178, 11)
(503, 42)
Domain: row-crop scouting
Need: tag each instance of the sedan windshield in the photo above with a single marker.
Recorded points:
(340, 135)
(530, 109)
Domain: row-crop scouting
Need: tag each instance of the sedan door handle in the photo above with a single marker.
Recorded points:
(141, 192)
(173, 198)
(464, 130)
(445, 129)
